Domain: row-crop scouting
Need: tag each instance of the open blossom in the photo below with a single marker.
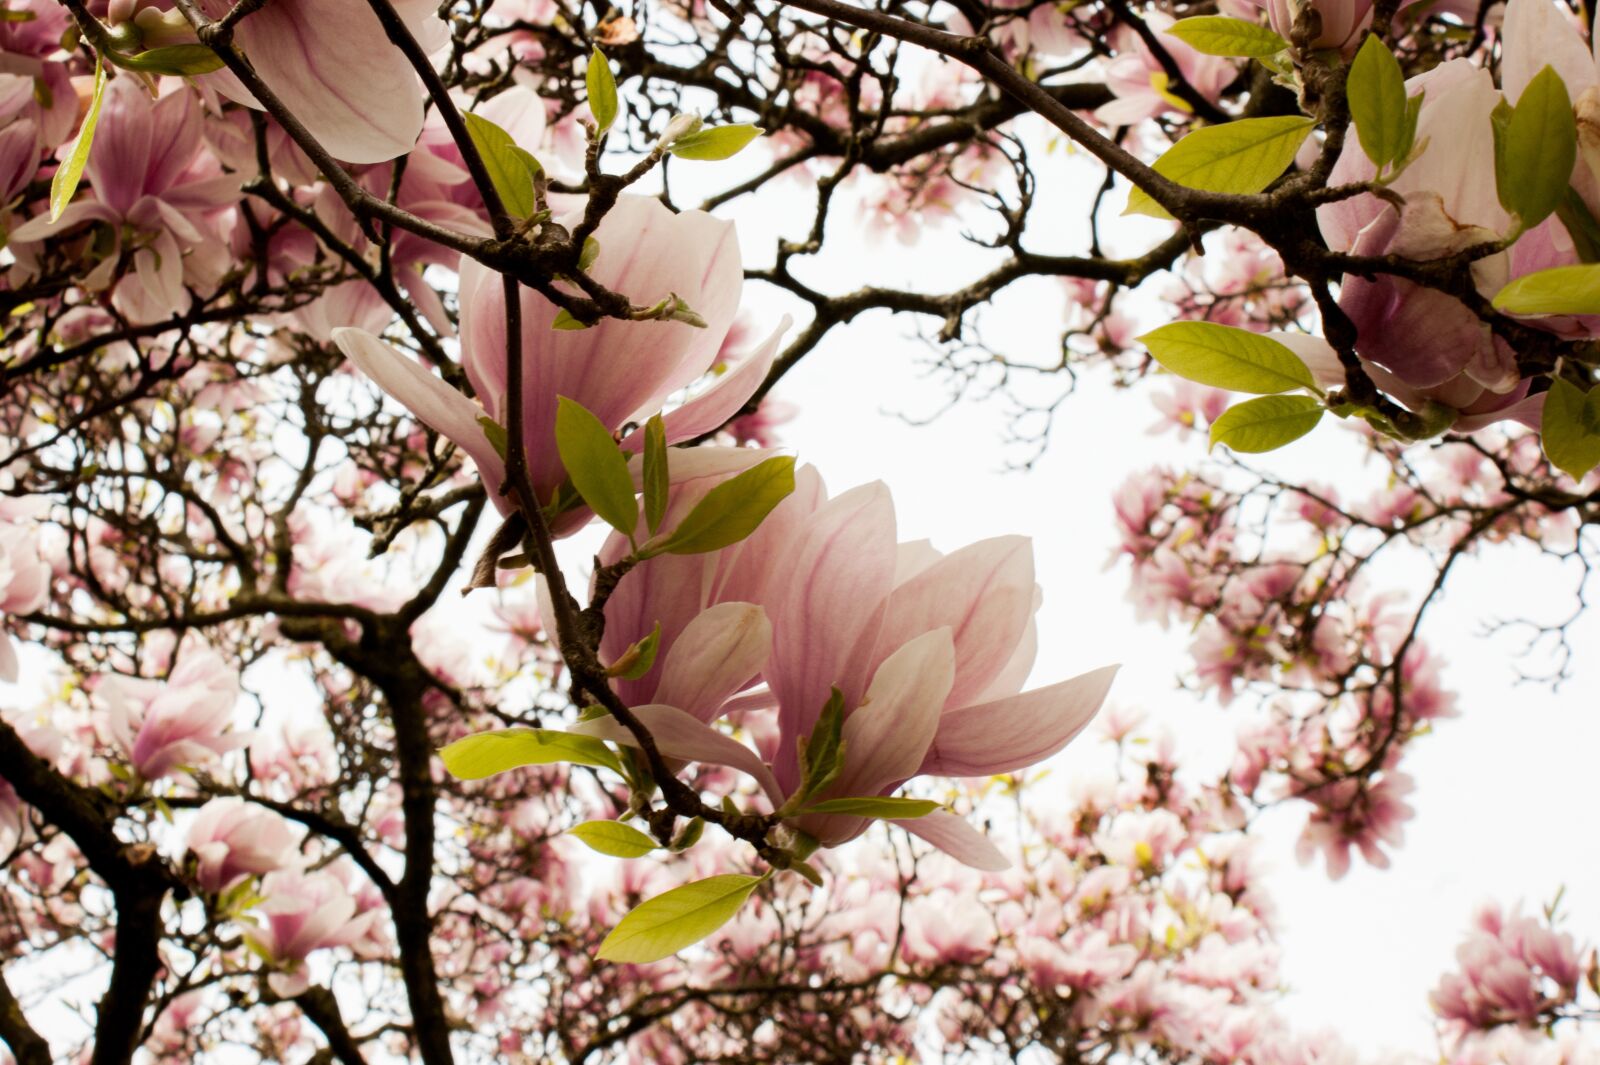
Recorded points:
(1142, 86)
(160, 197)
(302, 913)
(232, 839)
(929, 653)
(1513, 970)
(183, 721)
(621, 371)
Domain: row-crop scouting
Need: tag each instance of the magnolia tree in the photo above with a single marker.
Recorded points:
(327, 321)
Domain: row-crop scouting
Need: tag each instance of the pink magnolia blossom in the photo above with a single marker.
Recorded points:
(24, 584)
(163, 726)
(622, 371)
(232, 839)
(161, 197)
(928, 652)
(302, 913)
(1141, 84)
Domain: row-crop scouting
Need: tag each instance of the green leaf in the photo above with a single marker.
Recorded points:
(822, 754)
(178, 60)
(512, 170)
(1243, 156)
(1267, 423)
(565, 321)
(614, 838)
(720, 142)
(596, 465)
(1570, 430)
(1408, 134)
(1540, 147)
(496, 434)
(1224, 357)
(602, 91)
(1378, 104)
(590, 252)
(1581, 224)
(636, 661)
(65, 183)
(894, 808)
(656, 480)
(1558, 290)
(730, 511)
(488, 753)
(664, 925)
(1218, 35)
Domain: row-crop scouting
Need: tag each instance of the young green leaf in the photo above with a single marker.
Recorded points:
(1570, 430)
(891, 807)
(1242, 156)
(1377, 91)
(1219, 35)
(512, 170)
(596, 466)
(664, 925)
(720, 142)
(496, 434)
(614, 838)
(1558, 290)
(65, 183)
(1581, 224)
(636, 661)
(602, 91)
(1540, 148)
(822, 754)
(1267, 423)
(488, 753)
(1224, 357)
(656, 477)
(178, 60)
(565, 321)
(730, 511)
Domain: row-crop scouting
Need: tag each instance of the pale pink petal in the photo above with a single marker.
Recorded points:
(887, 737)
(712, 408)
(1536, 34)
(332, 65)
(958, 839)
(827, 611)
(435, 403)
(716, 655)
(984, 593)
(680, 735)
(1011, 734)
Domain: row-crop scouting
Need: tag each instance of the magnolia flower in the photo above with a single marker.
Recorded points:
(928, 652)
(164, 726)
(232, 839)
(160, 196)
(622, 371)
(304, 912)
(1141, 84)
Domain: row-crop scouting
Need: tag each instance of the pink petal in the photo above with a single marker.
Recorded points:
(435, 403)
(888, 736)
(1010, 734)
(1537, 33)
(827, 610)
(331, 63)
(712, 408)
(716, 655)
(958, 839)
(680, 735)
(984, 593)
